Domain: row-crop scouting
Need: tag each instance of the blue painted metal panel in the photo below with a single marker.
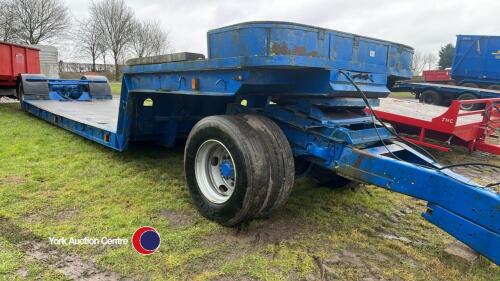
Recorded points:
(477, 59)
(292, 39)
(399, 62)
(287, 51)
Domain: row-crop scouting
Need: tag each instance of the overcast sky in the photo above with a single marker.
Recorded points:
(425, 25)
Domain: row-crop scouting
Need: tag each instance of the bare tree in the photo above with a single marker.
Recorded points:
(104, 54)
(430, 61)
(423, 61)
(8, 30)
(90, 40)
(417, 64)
(149, 39)
(40, 20)
(116, 23)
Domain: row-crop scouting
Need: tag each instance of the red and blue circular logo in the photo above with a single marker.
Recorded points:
(146, 240)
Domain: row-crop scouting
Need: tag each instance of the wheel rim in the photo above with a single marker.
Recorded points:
(466, 97)
(215, 171)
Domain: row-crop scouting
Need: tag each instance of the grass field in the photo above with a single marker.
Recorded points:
(115, 87)
(56, 184)
(402, 95)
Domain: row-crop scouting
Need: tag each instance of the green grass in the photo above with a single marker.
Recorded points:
(115, 87)
(402, 95)
(54, 183)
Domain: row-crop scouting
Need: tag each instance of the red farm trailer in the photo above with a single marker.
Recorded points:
(452, 125)
(433, 76)
(15, 60)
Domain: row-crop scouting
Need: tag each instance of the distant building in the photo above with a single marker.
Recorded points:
(48, 61)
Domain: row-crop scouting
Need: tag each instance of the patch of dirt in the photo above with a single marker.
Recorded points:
(177, 219)
(345, 258)
(39, 250)
(37, 215)
(22, 272)
(71, 265)
(462, 251)
(232, 278)
(66, 214)
(279, 227)
(395, 237)
(12, 180)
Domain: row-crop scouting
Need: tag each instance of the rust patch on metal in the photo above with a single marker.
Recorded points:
(282, 49)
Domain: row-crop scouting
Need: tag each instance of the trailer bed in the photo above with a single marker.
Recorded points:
(446, 91)
(456, 87)
(426, 112)
(451, 125)
(102, 114)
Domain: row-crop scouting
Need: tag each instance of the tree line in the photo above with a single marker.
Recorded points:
(428, 61)
(111, 29)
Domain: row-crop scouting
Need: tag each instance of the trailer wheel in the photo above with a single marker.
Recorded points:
(19, 91)
(327, 178)
(468, 96)
(469, 85)
(280, 158)
(430, 97)
(225, 170)
(494, 87)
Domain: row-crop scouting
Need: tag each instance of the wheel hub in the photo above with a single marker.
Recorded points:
(226, 169)
(215, 171)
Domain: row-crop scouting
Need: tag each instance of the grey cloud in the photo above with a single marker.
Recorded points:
(425, 25)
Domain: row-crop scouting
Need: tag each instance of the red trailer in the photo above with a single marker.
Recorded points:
(14, 60)
(452, 125)
(437, 76)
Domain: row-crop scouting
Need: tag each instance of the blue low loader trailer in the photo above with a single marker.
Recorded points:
(475, 72)
(274, 101)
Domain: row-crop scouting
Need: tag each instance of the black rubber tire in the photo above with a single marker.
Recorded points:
(280, 158)
(327, 178)
(247, 150)
(430, 97)
(468, 107)
(494, 87)
(470, 85)
(20, 91)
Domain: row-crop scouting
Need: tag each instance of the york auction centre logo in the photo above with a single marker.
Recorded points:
(146, 240)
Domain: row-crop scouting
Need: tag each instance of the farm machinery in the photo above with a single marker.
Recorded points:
(273, 101)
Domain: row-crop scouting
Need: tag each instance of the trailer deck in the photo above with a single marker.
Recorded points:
(443, 94)
(451, 125)
(425, 112)
(102, 114)
(419, 87)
